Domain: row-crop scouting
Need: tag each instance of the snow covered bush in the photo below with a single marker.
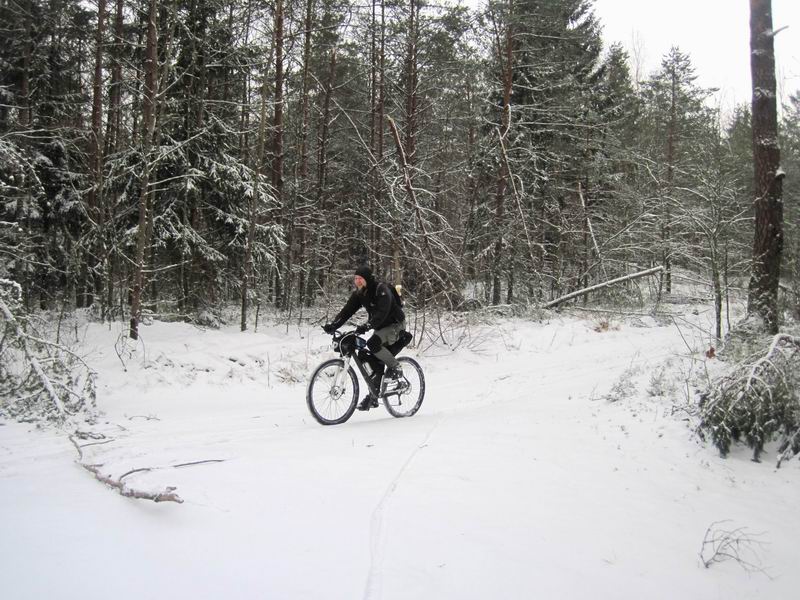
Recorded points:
(757, 401)
(662, 382)
(39, 379)
(10, 293)
(625, 385)
(206, 318)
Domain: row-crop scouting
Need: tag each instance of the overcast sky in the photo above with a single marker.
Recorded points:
(714, 33)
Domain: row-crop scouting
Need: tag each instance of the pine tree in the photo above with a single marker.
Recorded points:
(549, 52)
(673, 119)
(768, 238)
(43, 92)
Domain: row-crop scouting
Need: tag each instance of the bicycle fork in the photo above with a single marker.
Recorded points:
(338, 380)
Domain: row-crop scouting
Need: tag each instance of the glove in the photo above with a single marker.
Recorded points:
(363, 328)
(328, 328)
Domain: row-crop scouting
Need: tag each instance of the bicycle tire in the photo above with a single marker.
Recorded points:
(332, 407)
(407, 403)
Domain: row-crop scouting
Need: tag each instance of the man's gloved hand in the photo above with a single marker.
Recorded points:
(328, 328)
(363, 328)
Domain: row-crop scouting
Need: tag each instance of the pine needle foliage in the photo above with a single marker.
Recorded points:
(757, 402)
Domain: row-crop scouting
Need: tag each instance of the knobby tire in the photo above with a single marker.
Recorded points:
(323, 405)
(407, 403)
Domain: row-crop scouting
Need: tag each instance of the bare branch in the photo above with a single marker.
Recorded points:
(737, 544)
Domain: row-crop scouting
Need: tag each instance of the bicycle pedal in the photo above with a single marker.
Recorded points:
(394, 386)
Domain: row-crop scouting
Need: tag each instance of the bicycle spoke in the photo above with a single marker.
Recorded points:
(406, 402)
(331, 404)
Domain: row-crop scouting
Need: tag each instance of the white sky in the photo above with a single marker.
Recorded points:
(714, 33)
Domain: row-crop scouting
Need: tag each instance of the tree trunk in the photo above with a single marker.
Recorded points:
(382, 84)
(282, 275)
(768, 238)
(429, 255)
(95, 199)
(247, 274)
(507, 59)
(111, 146)
(244, 121)
(716, 280)
(323, 226)
(306, 80)
(26, 111)
(398, 227)
(376, 125)
(411, 82)
(148, 128)
(666, 227)
(303, 218)
(379, 127)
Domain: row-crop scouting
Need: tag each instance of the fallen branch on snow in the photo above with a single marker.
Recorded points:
(168, 495)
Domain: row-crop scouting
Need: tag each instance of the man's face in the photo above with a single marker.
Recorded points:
(360, 282)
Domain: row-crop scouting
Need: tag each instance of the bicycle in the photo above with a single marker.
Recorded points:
(333, 389)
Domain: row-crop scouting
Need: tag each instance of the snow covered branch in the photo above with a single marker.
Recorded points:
(600, 286)
(41, 378)
(757, 401)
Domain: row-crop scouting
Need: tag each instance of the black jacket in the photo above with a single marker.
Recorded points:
(379, 300)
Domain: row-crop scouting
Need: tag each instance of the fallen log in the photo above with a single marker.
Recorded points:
(599, 286)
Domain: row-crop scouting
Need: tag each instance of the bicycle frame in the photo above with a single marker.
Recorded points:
(366, 376)
(350, 354)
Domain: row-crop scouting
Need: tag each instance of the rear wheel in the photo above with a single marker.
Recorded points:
(407, 402)
(331, 404)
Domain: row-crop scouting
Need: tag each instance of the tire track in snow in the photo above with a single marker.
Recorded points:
(376, 537)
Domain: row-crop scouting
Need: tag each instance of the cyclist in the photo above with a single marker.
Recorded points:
(386, 318)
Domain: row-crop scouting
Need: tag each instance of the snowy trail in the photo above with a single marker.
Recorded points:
(516, 480)
(377, 539)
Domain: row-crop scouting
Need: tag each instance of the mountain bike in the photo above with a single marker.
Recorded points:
(334, 387)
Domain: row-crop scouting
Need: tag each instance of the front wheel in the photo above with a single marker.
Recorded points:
(407, 402)
(329, 403)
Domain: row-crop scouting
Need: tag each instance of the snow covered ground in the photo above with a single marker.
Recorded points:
(518, 478)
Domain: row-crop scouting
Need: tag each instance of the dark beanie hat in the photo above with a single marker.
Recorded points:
(364, 271)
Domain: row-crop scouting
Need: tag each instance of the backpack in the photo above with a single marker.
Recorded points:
(397, 293)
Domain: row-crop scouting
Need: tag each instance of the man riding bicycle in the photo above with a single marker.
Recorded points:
(386, 318)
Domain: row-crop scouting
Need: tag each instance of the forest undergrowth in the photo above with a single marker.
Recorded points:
(743, 389)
